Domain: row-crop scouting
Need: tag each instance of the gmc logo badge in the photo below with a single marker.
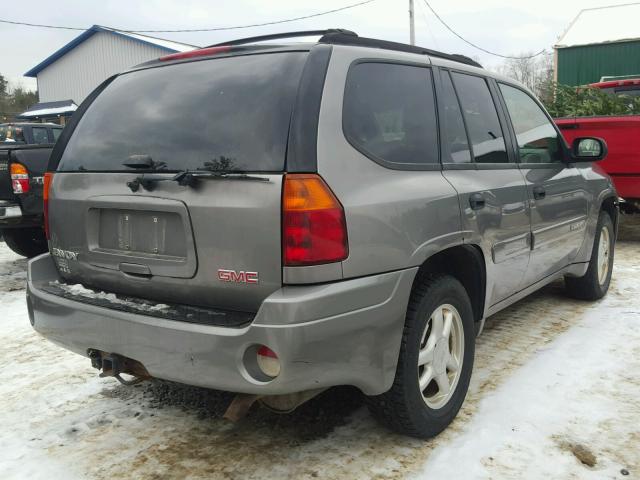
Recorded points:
(237, 277)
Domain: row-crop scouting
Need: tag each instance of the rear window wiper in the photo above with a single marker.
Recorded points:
(188, 178)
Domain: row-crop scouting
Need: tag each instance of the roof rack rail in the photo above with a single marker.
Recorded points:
(341, 36)
(337, 37)
(275, 36)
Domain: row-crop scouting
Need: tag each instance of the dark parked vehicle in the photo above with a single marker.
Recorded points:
(29, 133)
(24, 155)
(22, 169)
(286, 218)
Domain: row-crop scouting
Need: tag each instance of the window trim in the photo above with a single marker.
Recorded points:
(437, 165)
(506, 132)
(444, 147)
(563, 144)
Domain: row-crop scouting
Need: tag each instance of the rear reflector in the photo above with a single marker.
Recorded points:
(201, 52)
(313, 222)
(19, 178)
(268, 361)
(48, 177)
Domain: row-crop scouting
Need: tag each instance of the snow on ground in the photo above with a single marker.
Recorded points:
(555, 394)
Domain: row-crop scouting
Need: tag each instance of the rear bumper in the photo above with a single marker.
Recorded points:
(9, 211)
(343, 333)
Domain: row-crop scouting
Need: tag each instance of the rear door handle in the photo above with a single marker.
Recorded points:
(476, 201)
(539, 193)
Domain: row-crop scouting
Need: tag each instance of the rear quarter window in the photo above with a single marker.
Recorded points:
(223, 114)
(389, 114)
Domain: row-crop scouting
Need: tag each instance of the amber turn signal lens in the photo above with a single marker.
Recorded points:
(314, 226)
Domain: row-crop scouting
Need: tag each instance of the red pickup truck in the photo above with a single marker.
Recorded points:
(622, 134)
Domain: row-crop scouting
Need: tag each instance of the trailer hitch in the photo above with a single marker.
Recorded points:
(113, 365)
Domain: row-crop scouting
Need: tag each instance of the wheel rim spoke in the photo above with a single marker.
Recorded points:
(443, 383)
(452, 364)
(448, 322)
(437, 323)
(426, 354)
(425, 378)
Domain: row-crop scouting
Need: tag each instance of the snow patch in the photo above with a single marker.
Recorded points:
(80, 290)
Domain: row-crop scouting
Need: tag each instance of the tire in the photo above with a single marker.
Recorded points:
(28, 242)
(403, 407)
(594, 284)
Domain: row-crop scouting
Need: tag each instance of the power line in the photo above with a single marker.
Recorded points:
(477, 46)
(213, 29)
(427, 24)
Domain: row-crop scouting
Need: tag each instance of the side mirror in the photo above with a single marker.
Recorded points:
(588, 149)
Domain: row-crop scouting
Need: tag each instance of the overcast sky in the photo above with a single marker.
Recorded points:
(507, 27)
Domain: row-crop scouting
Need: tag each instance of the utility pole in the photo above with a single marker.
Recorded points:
(412, 24)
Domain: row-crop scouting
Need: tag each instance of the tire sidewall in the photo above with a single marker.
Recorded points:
(28, 242)
(446, 291)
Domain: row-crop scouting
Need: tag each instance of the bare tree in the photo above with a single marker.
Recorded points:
(536, 73)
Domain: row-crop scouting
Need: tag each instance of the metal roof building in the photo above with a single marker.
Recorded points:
(73, 71)
(599, 42)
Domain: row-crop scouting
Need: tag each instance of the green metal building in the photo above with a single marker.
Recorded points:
(600, 42)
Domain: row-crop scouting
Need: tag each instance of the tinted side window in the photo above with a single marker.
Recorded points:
(455, 135)
(481, 117)
(40, 135)
(538, 141)
(56, 133)
(389, 113)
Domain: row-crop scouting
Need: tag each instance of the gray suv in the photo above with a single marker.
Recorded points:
(274, 220)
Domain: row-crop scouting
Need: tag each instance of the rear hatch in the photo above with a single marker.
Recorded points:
(121, 222)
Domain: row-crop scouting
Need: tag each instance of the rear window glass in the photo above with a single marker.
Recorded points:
(221, 114)
(40, 135)
(389, 113)
(11, 134)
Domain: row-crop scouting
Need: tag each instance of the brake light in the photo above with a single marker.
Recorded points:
(201, 52)
(19, 178)
(48, 177)
(314, 230)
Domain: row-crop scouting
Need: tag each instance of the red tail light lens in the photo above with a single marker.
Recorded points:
(201, 52)
(314, 226)
(48, 177)
(19, 178)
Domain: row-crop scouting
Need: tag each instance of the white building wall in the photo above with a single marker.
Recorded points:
(82, 69)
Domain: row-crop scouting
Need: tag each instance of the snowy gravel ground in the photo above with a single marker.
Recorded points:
(555, 394)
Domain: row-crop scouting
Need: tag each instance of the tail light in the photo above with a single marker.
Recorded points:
(48, 177)
(314, 229)
(19, 178)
